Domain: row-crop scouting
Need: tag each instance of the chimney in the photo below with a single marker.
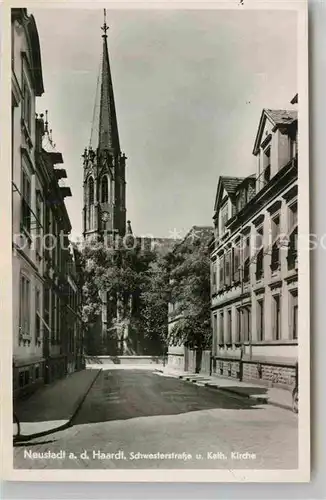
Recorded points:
(294, 100)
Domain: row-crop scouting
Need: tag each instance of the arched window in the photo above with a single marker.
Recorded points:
(104, 189)
(91, 191)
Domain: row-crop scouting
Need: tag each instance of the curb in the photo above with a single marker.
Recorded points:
(259, 400)
(212, 385)
(80, 400)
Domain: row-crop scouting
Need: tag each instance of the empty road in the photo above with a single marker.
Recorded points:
(135, 418)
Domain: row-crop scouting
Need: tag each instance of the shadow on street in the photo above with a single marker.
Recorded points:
(126, 394)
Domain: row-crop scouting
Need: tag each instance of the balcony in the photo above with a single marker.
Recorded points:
(65, 191)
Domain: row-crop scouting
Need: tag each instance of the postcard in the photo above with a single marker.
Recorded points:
(155, 215)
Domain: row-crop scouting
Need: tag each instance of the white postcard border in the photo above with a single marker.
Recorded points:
(302, 474)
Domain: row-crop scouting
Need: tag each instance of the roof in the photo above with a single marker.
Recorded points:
(29, 25)
(230, 184)
(295, 99)
(279, 118)
(282, 116)
(55, 157)
(108, 126)
(251, 177)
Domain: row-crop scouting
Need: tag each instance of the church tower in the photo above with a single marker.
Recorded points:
(104, 183)
(104, 210)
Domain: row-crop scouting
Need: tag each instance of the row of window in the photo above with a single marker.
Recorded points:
(52, 312)
(226, 333)
(234, 264)
(26, 110)
(29, 375)
(247, 191)
(41, 222)
(25, 311)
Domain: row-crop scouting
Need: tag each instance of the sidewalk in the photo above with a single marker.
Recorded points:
(261, 394)
(53, 407)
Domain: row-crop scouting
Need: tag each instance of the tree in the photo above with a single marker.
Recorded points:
(190, 291)
(141, 282)
(155, 296)
(119, 273)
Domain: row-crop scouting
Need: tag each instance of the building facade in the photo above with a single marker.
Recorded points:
(40, 223)
(254, 284)
(72, 288)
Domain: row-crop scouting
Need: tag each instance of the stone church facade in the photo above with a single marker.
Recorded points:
(104, 210)
(104, 168)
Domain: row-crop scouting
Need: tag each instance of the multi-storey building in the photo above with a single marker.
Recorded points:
(254, 261)
(27, 84)
(74, 337)
(40, 223)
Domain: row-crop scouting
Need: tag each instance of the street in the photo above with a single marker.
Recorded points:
(140, 419)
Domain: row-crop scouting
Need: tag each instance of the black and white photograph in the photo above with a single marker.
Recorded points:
(159, 259)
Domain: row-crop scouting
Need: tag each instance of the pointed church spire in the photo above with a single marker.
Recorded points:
(108, 127)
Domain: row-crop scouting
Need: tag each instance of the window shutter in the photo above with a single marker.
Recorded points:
(236, 263)
(228, 269)
(221, 271)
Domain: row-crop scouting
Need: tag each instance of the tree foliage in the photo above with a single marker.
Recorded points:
(145, 281)
(190, 293)
(134, 276)
(155, 296)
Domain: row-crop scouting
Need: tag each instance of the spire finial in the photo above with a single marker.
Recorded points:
(46, 123)
(129, 230)
(105, 26)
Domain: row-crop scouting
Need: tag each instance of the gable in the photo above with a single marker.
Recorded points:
(105, 170)
(265, 128)
(224, 194)
(227, 187)
(220, 193)
(270, 120)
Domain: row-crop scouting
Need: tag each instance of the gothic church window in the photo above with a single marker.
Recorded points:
(91, 191)
(104, 189)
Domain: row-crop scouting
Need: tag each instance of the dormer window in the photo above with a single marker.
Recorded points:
(266, 165)
(241, 199)
(224, 218)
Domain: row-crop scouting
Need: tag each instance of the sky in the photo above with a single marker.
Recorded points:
(189, 89)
